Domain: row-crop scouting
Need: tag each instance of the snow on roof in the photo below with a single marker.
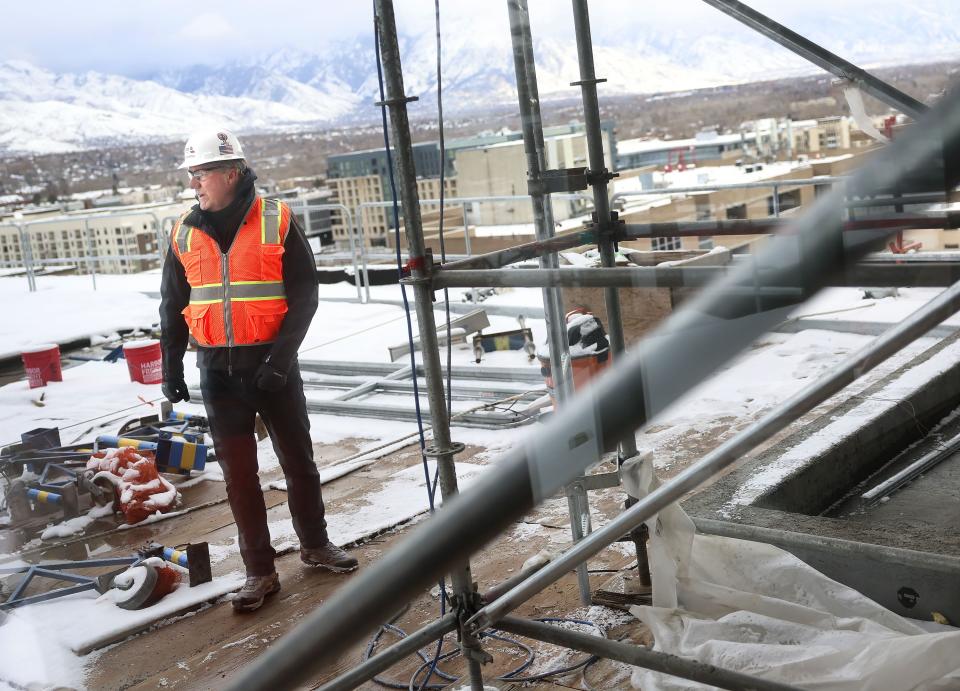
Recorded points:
(634, 146)
(526, 228)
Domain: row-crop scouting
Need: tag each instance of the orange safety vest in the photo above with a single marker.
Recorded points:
(237, 298)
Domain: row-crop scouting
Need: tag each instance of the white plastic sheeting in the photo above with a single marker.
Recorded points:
(756, 609)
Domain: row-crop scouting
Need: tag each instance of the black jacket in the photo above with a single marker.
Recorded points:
(299, 282)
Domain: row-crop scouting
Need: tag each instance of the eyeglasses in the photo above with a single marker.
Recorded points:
(202, 173)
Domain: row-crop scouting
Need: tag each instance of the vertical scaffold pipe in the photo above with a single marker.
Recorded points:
(532, 126)
(443, 448)
(601, 202)
(529, 98)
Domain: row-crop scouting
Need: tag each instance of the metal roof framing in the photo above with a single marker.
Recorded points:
(744, 302)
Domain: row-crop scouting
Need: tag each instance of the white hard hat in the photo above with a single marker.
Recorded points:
(209, 146)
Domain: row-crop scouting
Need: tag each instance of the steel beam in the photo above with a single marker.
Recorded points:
(821, 57)
(388, 657)
(715, 462)
(920, 467)
(472, 372)
(640, 656)
(461, 393)
(580, 431)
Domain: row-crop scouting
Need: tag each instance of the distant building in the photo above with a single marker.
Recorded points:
(705, 146)
(786, 138)
(115, 238)
(501, 170)
(351, 192)
(362, 177)
(318, 223)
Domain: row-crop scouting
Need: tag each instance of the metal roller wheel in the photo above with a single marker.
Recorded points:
(134, 587)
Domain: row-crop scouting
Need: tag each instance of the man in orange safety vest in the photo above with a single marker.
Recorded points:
(240, 284)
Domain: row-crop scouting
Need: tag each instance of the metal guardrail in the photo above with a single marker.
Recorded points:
(360, 255)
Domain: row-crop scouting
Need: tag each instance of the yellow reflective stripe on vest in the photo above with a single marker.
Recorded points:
(239, 291)
(270, 222)
(181, 237)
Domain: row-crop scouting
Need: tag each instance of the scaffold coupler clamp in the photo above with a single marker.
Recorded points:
(396, 101)
(561, 180)
(600, 177)
(436, 451)
(466, 605)
(423, 264)
(614, 230)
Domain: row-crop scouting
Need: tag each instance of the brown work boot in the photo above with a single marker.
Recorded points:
(329, 556)
(253, 592)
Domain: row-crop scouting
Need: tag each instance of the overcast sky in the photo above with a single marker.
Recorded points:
(135, 37)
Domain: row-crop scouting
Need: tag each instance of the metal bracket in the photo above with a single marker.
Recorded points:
(433, 452)
(562, 180)
(599, 80)
(396, 101)
(616, 230)
(599, 480)
(425, 263)
(411, 281)
(600, 176)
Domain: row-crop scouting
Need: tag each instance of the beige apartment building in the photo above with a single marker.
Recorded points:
(114, 237)
(501, 170)
(733, 204)
(377, 221)
(351, 192)
(816, 137)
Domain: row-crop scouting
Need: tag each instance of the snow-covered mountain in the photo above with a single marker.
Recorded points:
(41, 111)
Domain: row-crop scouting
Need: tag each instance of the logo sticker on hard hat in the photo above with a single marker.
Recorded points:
(226, 147)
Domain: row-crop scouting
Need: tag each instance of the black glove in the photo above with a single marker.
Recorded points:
(269, 378)
(175, 389)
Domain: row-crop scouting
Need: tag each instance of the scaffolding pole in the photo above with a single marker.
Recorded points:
(890, 343)
(639, 656)
(525, 476)
(598, 176)
(876, 275)
(465, 598)
(532, 125)
(664, 229)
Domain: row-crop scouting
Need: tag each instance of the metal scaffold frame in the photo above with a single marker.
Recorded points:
(743, 303)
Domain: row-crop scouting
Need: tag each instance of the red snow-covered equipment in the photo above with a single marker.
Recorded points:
(144, 584)
(140, 491)
(588, 347)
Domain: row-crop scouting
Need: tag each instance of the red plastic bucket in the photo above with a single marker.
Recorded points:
(42, 364)
(144, 361)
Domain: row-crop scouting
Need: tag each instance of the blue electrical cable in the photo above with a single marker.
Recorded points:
(446, 303)
(512, 676)
(431, 486)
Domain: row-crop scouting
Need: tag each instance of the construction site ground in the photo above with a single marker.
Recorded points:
(204, 647)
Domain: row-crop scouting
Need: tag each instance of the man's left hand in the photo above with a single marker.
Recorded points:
(269, 378)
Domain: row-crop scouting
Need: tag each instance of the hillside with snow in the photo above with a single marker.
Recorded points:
(43, 111)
